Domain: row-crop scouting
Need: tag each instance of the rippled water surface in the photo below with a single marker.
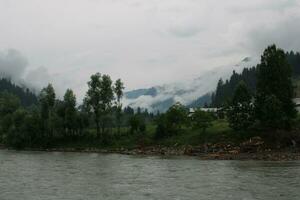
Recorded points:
(39, 175)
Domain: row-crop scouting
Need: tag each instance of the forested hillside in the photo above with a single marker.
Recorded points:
(26, 97)
(225, 89)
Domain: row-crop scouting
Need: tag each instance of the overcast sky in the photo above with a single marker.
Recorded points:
(144, 42)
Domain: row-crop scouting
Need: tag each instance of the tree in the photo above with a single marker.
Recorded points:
(225, 91)
(9, 103)
(176, 117)
(201, 120)
(47, 101)
(271, 111)
(161, 128)
(106, 97)
(70, 111)
(274, 83)
(93, 99)
(118, 89)
(16, 135)
(99, 99)
(241, 112)
(134, 123)
(219, 95)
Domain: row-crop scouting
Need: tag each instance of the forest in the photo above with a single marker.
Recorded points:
(225, 90)
(257, 102)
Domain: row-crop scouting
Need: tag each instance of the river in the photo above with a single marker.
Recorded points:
(91, 176)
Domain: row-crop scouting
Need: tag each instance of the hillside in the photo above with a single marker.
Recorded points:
(192, 93)
(225, 89)
(27, 98)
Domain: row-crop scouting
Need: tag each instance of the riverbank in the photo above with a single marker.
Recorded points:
(193, 151)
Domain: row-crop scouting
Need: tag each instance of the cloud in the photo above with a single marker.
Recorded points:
(284, 33)
(187, 91)
(15, 66)
(12, 64)
(183, 32)
(144, 43)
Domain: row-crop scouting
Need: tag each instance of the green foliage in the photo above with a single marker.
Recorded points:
(201, 120)
(118, 89)
(137, 123)
(161, 130)
(274, 90)
(241, 111)
(9, 103)
(55, 122)
(93, 98)
(27, 98)
(171, 122)
(176, 117)
(70, 111)
(99, 99)
(225, 91)
(47, 100)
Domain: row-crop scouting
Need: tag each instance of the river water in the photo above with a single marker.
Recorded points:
(74, 176)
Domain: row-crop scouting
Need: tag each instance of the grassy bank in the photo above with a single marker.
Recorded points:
(219, 132)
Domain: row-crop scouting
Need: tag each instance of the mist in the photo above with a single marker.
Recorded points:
(15, 67)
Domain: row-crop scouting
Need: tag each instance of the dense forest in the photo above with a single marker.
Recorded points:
(27, 98)
(102, 121)
(225, 90)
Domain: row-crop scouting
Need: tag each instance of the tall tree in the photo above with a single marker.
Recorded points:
(106, 97)
(274, 85)
(99, 99)
(70, 110)
(176, 117)
(47, 101)
(118, 89)
(9, 103)
(241, 113)
(93, 99)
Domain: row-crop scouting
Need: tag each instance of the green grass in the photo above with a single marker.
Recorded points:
(219, 132)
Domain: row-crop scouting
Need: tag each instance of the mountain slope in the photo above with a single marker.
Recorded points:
(27, 98)
(190, 92)
(225, 90)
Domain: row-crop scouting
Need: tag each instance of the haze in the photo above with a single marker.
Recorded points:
(145, 43)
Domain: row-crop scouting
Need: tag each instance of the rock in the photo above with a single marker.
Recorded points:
(253, 145)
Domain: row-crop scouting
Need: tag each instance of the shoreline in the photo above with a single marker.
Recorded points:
(269, 155)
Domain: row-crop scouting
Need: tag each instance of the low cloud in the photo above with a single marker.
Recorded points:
(15, 66)
(188, 91)
(12, 64)
(145, 43)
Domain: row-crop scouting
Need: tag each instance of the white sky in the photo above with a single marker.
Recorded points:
(143, 42)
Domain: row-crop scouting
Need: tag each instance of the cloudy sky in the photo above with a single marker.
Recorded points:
(144, 42)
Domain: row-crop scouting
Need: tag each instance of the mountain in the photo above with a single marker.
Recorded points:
(195, 92)
(225, 89)
(201, 101)
(140, 92)
(27, 98)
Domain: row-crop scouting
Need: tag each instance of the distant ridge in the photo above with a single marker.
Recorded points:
(191, 93)
(26, 97)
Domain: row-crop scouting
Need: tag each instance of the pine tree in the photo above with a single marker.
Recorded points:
(241, 113)
(274, 86)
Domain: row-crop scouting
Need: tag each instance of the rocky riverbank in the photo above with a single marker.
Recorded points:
(253, 149)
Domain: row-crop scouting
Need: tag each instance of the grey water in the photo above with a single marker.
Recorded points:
(74, 176)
